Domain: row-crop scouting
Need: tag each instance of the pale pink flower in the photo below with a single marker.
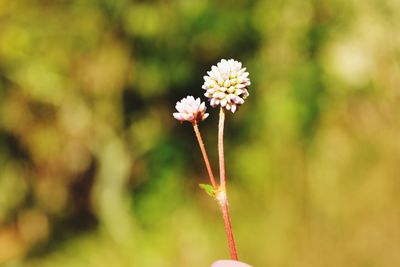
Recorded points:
(191, 110)
(226, 84)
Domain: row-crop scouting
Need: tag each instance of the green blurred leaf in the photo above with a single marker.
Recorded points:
(208, 189)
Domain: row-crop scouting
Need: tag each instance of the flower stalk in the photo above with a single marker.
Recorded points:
(223, 203)
(205, 156)
(221, 156)
(222, 195)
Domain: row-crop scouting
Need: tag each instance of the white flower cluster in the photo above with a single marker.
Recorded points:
(191, 110)
(226, 84)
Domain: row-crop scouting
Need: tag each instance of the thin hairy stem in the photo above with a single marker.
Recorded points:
(221, 195)
(204, 153)
(223, 202)
(221, 149)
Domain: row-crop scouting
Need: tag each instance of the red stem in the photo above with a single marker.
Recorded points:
(221, 195)
(204, 153)
(221, 149)
(228, 227)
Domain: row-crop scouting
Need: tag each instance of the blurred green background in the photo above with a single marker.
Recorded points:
(94, 171)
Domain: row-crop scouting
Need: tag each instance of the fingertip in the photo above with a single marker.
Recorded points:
(229, 263)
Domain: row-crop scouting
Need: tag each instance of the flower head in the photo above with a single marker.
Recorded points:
(191, 110)
(226, 84)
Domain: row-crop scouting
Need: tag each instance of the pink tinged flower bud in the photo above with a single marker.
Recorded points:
(191, 110)
(226, 85)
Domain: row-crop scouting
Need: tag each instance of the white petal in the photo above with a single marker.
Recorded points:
(223, 102)
(221, 95)
(186, 109)
(207, 79)
(212, 102)
(211, 91)
(239, 92)
(232, 96)
(202, 107)
(186, 116)
(177, 116)
(238, 100)
(231, 89)
(240, 85)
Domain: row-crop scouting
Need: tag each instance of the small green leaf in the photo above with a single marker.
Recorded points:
(208, 189)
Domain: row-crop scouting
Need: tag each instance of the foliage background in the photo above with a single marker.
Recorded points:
(95, 172)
